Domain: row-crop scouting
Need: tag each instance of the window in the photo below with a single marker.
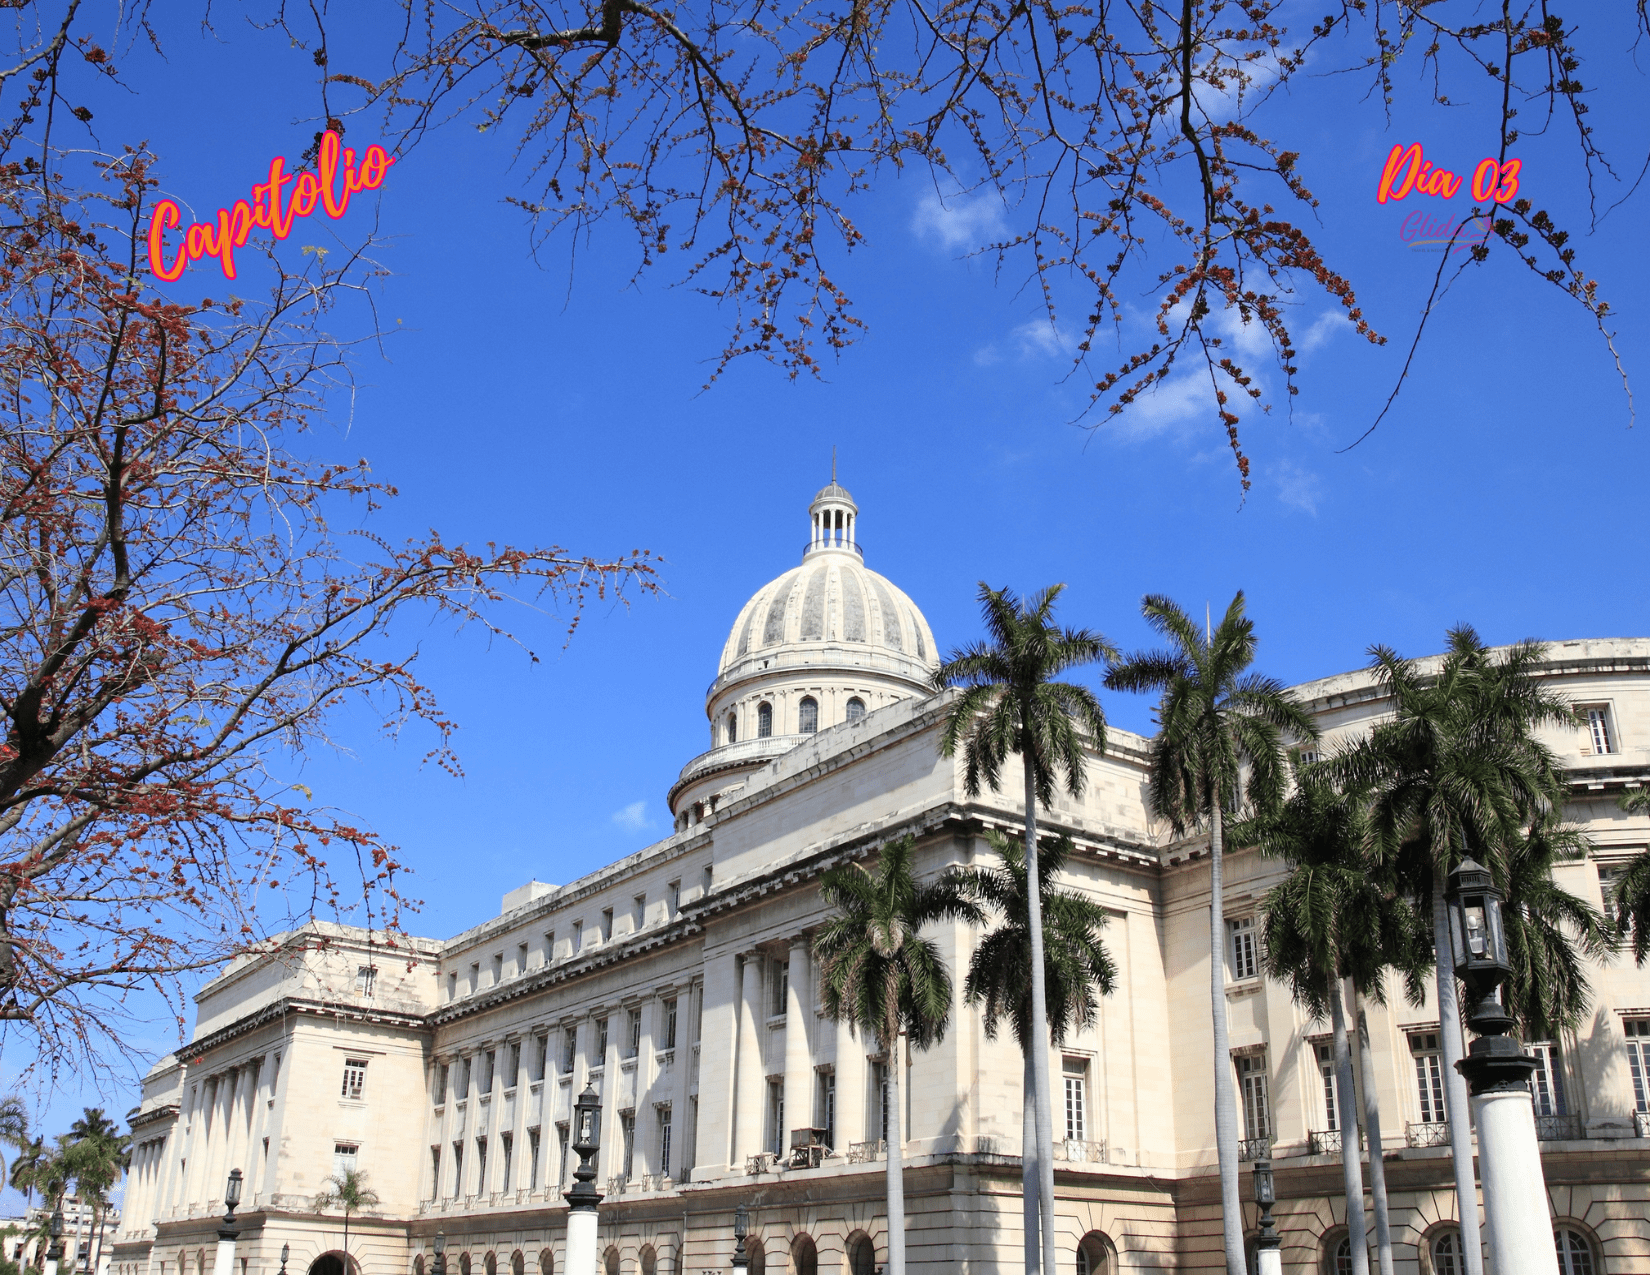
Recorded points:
(1447, 1258)
(673, 894)
(1244, 954)
(489, 1062)
(533, 1159)
(780, 984)
(627, 1137)
(1638, 1060)
(1343, 1256)
(452, 986)
(1094, 1253)
(1600, 739)
(561, 1160)
(475, 975)
(669, 1037)
(764, 720)
(1257, 1114)
(549, 946)
(355, 1078)
(498, 969)
(1609, 880)
(664, 1141)
(569, 1050)
(733, 728)
(521, 958)
(539, 1057)
(879, 1087)
(601, 1042)
(1429, 1076)
(344, 1157)
(481, 1166)
(1076, 1075)
(1331, 1085)
(1547, 1081)
(1575, 1253)
(435, 1172)
(638, 912)
(507, 1141)
(365, 978)
(633, 1033)
(458, 1168)
(807, 715)
(464, 1069)
(856, 709)
(607, 924)
(826, 1117)
(441, 1083)
(578, 937)
(1308, 756)
(776, 1117)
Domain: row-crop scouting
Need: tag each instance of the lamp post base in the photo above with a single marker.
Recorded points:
(581, 1242)
(1518, 1232)
(1269, 1261)
(223, 1263)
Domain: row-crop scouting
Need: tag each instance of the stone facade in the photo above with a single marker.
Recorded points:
(679, 983)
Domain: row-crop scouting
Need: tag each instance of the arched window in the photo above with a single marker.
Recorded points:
(610, 1264)
(807, 716)
(699, 817)
(1575, 1252)
(862, 1258)
(547, 1262)
(648, 1262)
(733, 734)
(1447, 1258)
(804, 1256)
(758, 1260)
(764, 720)
(464, 1258)
(490, 1262)
(1343, 1252)
(1094, 1255)
(518, 1263)
(418, 1265)
(856, 709)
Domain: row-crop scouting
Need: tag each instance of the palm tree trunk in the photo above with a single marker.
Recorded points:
(896, 1164)
(1347, 1108)
(1455, 1084)
(1372, 1125)
(1029, 1181)
(1039, 1020)
(1226, 1128)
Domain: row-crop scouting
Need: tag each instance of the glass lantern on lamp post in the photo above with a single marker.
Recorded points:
(1268, 1254)
(741, 1228)
(583, 1198)
(54, 1252)
(439, 1267)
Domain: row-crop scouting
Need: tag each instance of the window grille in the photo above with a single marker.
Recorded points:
(664, 1141)
(776, 1117)
(1331, 1085)
(733, 728)
(533, 1159)
(1599, 735)
(807, 715)
(1257, 1113)
(601, 1042)
(366, 977)
(634, 1027)
(355, 1077)
(1547, 1081)
(764, 721)
(627, 1132)
(507, 1142)
(827, 1106)
(1638, 1060)
(344, 1158)
(569, 1050)
(1575, 1254)
(1245, 953)
(1429, 1076)
(856, 709)
(1446, 1254)
(670, 1024)
(1076, 1084)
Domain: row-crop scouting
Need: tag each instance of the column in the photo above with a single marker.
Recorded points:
(680, 1110)
(647, 1115)
(850, 1087)
(752, 1077)
(799, 1072)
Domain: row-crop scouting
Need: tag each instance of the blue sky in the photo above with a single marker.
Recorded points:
(516, 404)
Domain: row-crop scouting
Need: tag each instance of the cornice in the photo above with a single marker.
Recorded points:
(288, 1006)
(136, 1120)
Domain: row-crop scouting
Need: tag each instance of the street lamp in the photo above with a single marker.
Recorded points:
(1498, 1071)
(1268, 1257)
(286, 1252)
(741, 1228)
(224, 1262)
(54, 1253)
(440, 1266)
(583, 1198)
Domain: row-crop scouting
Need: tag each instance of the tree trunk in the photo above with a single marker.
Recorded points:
(1455, 1084)
(896, 1166)
(1029, 1181)
(1347, 1109)
(1226, 1126)
(1039, 1023)
(1372, 1125)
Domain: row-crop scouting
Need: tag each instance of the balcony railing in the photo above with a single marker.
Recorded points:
(866, 1152)
(1323, 1142)
(1427, 1133)
(1077, 1151)
(1641, 1124)
(761, 1162)
(1254, 1149)
(1558, 1128)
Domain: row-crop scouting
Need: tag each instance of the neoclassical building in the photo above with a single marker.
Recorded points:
(678, 982)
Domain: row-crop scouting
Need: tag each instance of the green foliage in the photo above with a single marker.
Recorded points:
(347, 1191)
(1632, 891)
(1549, 930)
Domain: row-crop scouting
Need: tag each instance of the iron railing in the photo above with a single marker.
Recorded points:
(761, 1162)
(1641, 1124)
(1427, 1133)
(1254, 1149)
(828, 543)
(1558, 1128)
(866, 1152)
(1323, 1142)
(1077, 1151)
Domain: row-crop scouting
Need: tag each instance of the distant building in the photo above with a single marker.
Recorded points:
(679, 982)
(81, 1232)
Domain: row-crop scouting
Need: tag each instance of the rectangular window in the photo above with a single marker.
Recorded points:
(435, 1172)
(673, 895)
(601, 1043)
(664, 1141)
(569, 1049)
(1076, 1076)
(670, 1025)
(561, 1155)
(507, 1143)
(540, 1056)
(475, 976)
(1638, 1060)
(1609, 877)
(488, 1061)
(607, 924)
(355, 1078)
(1600, 738)
(627, 1143)
(481, 1166)
(452, 986)
(533, 1154)
(513, 1073)
(578, 936)
(1547, 1080)
(441, 1083)
(633, 1033)
(344, 1158)
(638, 912)
(776, 1117)
(781, 984)
(521, 958)
(498, 969)
(458, 1168)
(826, 1107)
(366, 976)
(1257, 1111)
(879, 1091)
(549, 947)
(1245, 955)
(1429, 1076)
(1331, 1085)
(464, 1068)
(1308, 756)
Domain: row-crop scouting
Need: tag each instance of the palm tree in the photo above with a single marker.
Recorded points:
(98, 1155)
(14, 1126)
(1011, 704)
(1075, 963)
(1221, 741)
(878, 973)
(1334, 918)
(347, 1189)
(1456, 772)
(27, 1167)
(1630, 899)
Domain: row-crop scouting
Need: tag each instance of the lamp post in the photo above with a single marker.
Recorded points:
(1517, 1229)
(1268, 1254)
(741, 1228)
(286, 1252)
(54, 1252)
(583, 1198)
(440, 1265)
(224, 1262)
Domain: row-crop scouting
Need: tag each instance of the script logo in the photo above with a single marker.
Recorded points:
(1407, 172)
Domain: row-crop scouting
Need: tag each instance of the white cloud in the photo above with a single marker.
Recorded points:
(1298, 488)
(1039, 338)
(959, 221)
(1323, 327)
(633, 818)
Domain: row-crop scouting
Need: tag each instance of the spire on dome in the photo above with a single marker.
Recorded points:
(833, 518)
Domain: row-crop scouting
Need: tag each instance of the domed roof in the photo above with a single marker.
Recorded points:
(833, 491)
(832, 600)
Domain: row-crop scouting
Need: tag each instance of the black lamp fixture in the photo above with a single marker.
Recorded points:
(231, 1198)
(54, 1252)
(587, 1113)
(1266, 1195)
(741, 1228)
(440, 1266)
(286, 1252)
(1478, 945)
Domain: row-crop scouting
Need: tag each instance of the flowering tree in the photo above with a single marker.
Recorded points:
(181, 617)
